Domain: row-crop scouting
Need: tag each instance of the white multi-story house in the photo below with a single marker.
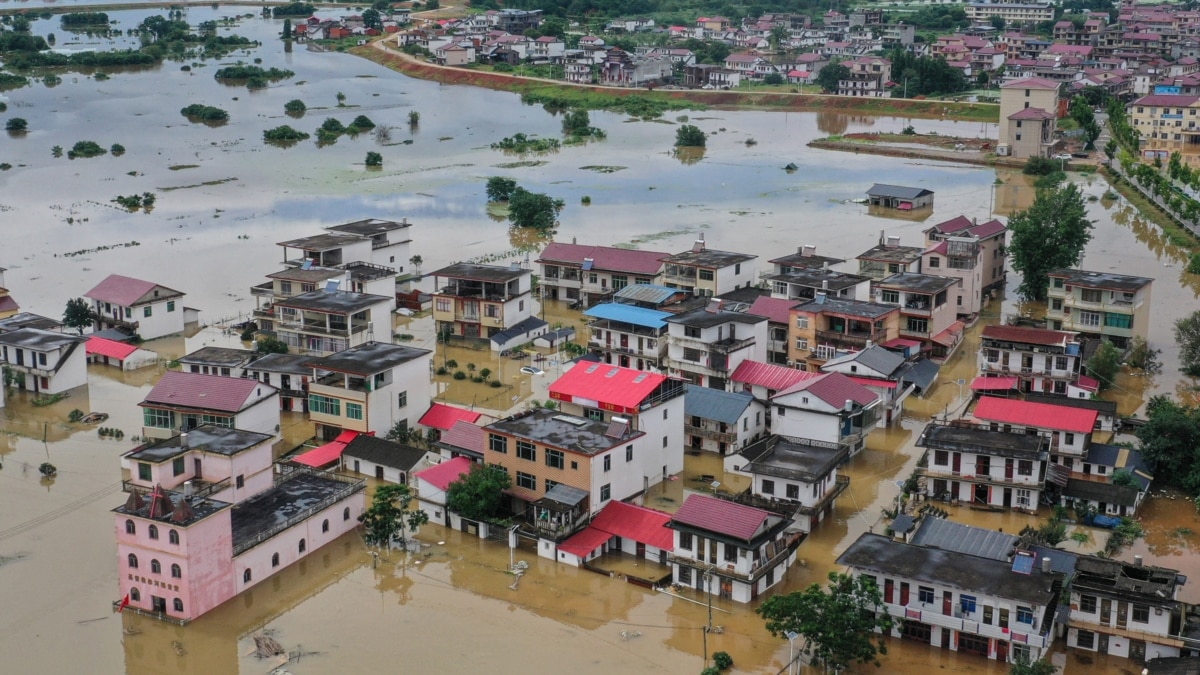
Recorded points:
(288, 373)
(804, 283)
(486, 302)
(628, 335)
(730, 550)
(215, 462)
(371, 388)
(1032, 359)
(379, 242)
(888, 257)
(1115, 307)
(720, 421)
(926, 313)
(989, 468)
(592, 273)
(1129, 610)
(794, 476)
(218, 361)
(43, 361)
(151, 310)
(184, 401)
(1068, 428)
(996, 609)
(971, 251)
(829, 408)
(705, 346)
(330, 320)
(886, 373)
(705, 271)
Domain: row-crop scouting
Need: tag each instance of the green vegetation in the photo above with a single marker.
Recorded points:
(389, 517)
(197, 112)
(284, 135)
(135, 202)
(1171, 439)
(830, 75)
(841, 625)
(690, 136)
(1049, 235)
(120, 57)
(8, 81)
(16, 125)
(374, 159)
(1023, 666)
(500, 189)
(577, 127)
(78, 314)
(1105, 364)
(81, 20)
(924, 75)
(295, 108)
(270, 345)
(302, 9)
(85, 149)
(1187, 334)
(414, 118)
(1083, 114)
(479, 494)
(559, 100)
(533, 210)
(522, 144)
(360, 124)
(254, 77)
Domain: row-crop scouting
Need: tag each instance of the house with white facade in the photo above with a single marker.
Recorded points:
(720, 421)
(486, 302)
(628, 335)
(379, 242)
(1069, 429)
(997, 609)
(926, 311)
(709, 272)
(829, 408)
(384, 460)
(218, 361)
(1128, 610)
(794, 476)
(431, 485)
(1110, 306)
(887, 373)
(804, 283)
(705, 346)
(730, 550)
(979, 466)
(331, 320)
(592, 274)
(888, 257)
(623, 527)
(1029, 359)
(151, 310)
(43, 361)
(764, 380)
(183, 401)
(971, 251)
(370, 388)
(288, 373)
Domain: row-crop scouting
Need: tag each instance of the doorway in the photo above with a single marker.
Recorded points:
(378, 472)
(158, 604)
(196, 466)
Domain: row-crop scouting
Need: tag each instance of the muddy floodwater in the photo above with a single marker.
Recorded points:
(224, 198)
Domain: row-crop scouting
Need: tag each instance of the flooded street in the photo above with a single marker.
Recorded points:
(225, 198)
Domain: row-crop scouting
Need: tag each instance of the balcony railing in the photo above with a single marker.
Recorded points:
(789, 507)
(200, 488)
(263, 290)
(729, 345)
(705, 432)
(856, 339)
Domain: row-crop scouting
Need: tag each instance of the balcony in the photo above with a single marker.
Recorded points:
(200, 488)
(712, 434)
(321, 328)
(728, 569)
(920, 335)
(930, 613)
(854, 338)
(476, 293)
(789, 507)
(266, 290)
(730, 345)
(971, 475)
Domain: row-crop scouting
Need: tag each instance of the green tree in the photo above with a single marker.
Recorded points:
(1187, 334)
(374, 159)
(780, 34)
(773, 79)
(1171, 439)
(1049, 235)
(270, 345)
(1023, 666)
(1105, 364)
(534, 210)
(690, 136)
(372, 19)
(997, 22)
(576, 123)
(414, 118)
(416, 261)
(16, 125)
(1082, 112)
(479, 495)
(295, 107)
(389, 516)
(78, 314)
(842, 624)
(830, 75)
(287, 29)
(500, 189)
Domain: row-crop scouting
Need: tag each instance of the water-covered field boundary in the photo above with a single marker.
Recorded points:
(981, 112)
(916, 153)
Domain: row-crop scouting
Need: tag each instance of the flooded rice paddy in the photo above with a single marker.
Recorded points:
(225, 198)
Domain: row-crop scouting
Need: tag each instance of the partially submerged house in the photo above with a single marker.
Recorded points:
(123, 355)
(705, 346)
(899, 197)
(720, 421)
(183, 401)
(621, 527)
(1129, 610)
(371, 388)
(591, 274)
(151, 310)
(43, 361)
(384, 460)
(979, 466)
(486, 302)
(794, 476)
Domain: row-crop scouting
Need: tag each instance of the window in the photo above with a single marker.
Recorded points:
(133, 563)
(155, 567)
(274, 560)
(665, 411)
(916, 325)
(768, 487)
(925, 595)
(178, 604)
(691, 331)
(135, 595)
(246, 576)
(934, 261)
(1025, 615)
(146, 312)
(1086, 639)
(685, 540)
(177, 466)
(527, 451)
(324, 405)
(1058, 282)
(1060, 363)
(731, 553)
(605, 492)
(629, 453)
(128, 313)
(303, 546)
(498, 444)
(402, 399)
(1141, 613)
(526, 480)
(574, 466)
(144, 471)
(176, 571)
(685, 576)
(594, 414)
(737, 268)
(554, 459)
(217, 421)
(240, 482)
(706, 275)
(130, 528)
(801, 344)
(550, 484)
(941, 457)
(354, 411)
(1068, 438)
(608, 462)
(1089, 295)
(170, 305)
(1025, 467)
(793, 491)
(325, 525)
(443, 305)
(346, 513)
(173, 537)
(1118, 320)
(889, 297)
(1089, 319)
(41, 357)
(967, 602)
(152, 532)
(693, 355)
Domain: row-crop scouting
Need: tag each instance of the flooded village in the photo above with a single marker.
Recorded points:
(723, 374)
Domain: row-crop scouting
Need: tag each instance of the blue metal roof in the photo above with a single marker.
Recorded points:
(650, 293)
(715, 404)
(637, 316)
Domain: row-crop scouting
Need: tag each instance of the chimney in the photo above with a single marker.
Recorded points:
(1137, 560)
(974, 221)
(573, 242)
(1046, 566)
(808, 250)
(882, 237)
(404, 220)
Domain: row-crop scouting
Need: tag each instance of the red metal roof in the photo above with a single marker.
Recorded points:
(465, 435)
(770, 376)
(208, 392)
(901, 342)
(983, 383)
(442, 475)
(720, 516)
(638, 523)
(1041, 415)
(872, 382)
(1030, 83)
(329, 453)
(110, 348)
(774, 309)
(1027, 335)
(120, 290)
(949, 337)
(1088, 383)
(442, 417)
(834, 389)
(585, 542)
(611, 387)
(606, 257)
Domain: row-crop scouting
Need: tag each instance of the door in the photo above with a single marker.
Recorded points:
(378, 472)
(641, 550)
(947, 609)
(357, 468)
(726, 589)
(956, 462)
(1102, 643)
(1122, 614)
(158, 604)
(1008, 469)
(946, 636)
(1137, 650)
(1001, 651)
(904, 594)
(1007, 498)
(1106, 612)
(982, 493)
(196, 466)
(889, 587)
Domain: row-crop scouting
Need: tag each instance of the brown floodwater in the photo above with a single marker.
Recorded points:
(449, 608)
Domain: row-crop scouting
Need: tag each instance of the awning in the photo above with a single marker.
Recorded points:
(983, 383)
(1058, 474)
(562, 497)
(329, 453)
(110, 348)
(585, 542)
(950, 336)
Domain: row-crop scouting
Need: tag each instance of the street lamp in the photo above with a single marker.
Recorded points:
(791, 636)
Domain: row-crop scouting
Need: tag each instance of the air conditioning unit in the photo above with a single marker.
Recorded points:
(791, 363)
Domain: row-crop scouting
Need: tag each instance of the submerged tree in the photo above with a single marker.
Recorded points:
(534, 210)
(78, 314)
(1049, 235)
(1023, 666)
(388, 517)
(1187, 334)
(500, 189)
(690, 136)
(479, 494)
(1105, 364)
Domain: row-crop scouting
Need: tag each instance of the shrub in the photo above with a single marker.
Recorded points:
(361, 123)
(284, 135)
(1040, 166)
(460, 375)
(84, 149)
(117, 149)
(295, 107)
(722, 660)
(690, 136)
(375, 159)
(16, 124)
(204, 113)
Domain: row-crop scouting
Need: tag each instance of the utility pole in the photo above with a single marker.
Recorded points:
(708, 626)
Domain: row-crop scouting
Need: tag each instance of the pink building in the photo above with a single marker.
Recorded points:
(182, 552)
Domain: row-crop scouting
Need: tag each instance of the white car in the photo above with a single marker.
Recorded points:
(1063, 156)
(532, 370)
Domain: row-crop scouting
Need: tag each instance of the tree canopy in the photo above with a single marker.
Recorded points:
(1187, 334)
(78, 314)
(1049, 235)
(925, 75)
(830, 75)
(500, 189)
(842, 624)
(1171, 439)
(1023, 666)
(389, 515)
(479, 494)
(533, 209)
(1105, 364)
(690, 136)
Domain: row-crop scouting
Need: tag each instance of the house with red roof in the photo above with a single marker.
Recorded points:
(730, 550)
(1029, 109)
(1068, 428)
(775, 310)
(431, 485)
(464, 439)
(1028, 359)
(973, 252)
(151, 310)
(8, 305)
(764, 380)
(593, 273)
(830, 408)
(183, 401)
(620, 527)
(120, 354)
(441, 417)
